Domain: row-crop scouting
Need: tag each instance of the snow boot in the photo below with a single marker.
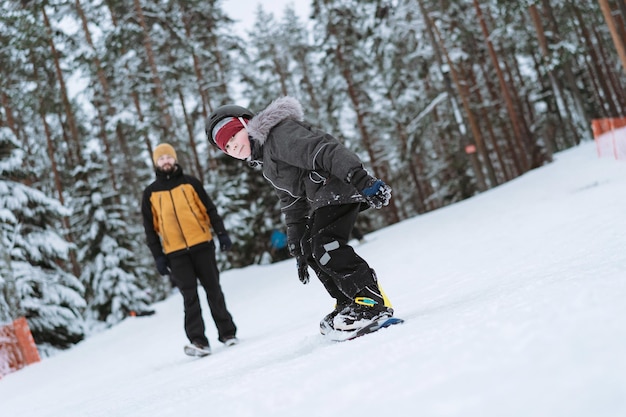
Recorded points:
(231, 341)
(197, 349)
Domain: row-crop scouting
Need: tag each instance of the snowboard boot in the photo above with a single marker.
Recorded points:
(326, 325)
(369, 305)
(197, 349)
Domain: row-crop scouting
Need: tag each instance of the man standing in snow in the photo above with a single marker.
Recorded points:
(178, 216)
(322, 186)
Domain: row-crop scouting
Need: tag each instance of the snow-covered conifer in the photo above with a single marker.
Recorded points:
(33, 273)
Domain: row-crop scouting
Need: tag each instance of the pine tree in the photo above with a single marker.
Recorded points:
(248, 205)
(35, 256)
(114, 268)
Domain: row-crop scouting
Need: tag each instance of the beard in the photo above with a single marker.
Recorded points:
(167, 168)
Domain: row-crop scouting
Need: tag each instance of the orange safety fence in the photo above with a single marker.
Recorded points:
(610, 137)
(17, 347)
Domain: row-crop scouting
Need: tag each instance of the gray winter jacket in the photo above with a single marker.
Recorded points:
(308, 168)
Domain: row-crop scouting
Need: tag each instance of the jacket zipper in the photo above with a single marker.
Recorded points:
(177, 220)
(192, 211)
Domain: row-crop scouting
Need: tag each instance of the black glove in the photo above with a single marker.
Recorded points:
(303, 269)
(162, 265)
(225, 242)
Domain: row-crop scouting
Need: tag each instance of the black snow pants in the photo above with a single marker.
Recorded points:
(198, 264)
(342, 272)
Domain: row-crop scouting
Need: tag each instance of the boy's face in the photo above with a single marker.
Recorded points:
(239, 145)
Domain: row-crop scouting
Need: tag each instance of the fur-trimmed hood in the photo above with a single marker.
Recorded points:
(278, 110)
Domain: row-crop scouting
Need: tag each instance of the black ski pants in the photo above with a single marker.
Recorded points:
(342, 272)
(198, 264)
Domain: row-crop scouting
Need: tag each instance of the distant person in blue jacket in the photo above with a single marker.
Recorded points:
(278, 245)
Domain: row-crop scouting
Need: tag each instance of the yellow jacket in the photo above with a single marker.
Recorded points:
(178, 214)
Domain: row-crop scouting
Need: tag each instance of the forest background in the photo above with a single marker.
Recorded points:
(441, 99)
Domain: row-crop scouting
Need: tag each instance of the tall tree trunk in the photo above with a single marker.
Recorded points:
(69, 114)
(582, 121)
(105, 94)
(192, 141)
(454, 105)
(308, 84)
(135, 99)
(8, 111)
(391, 214)
(69, 236)
(166, 119)
(468, 76)
(96, 60)
(142, 119)
(129, 173)
(504, 88)
(202, 92)
(476, 133)
(58, 183)
(107, 150)
(618, 41)
(622, 8)
(279, 69)
(612, 78)
(504, 172)
(596, 69)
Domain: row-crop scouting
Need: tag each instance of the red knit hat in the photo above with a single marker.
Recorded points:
(225, 130)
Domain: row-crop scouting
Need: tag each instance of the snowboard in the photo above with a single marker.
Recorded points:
(342, 336)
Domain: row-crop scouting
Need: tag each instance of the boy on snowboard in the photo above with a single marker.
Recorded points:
(322, 186)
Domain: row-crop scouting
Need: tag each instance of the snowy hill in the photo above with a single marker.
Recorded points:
(515, 305)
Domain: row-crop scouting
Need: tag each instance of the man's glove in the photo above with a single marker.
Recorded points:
(225, 242)
(303, 269)
(375, 191)
(162, 265)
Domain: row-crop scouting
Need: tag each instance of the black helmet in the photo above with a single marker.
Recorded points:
(221, 113)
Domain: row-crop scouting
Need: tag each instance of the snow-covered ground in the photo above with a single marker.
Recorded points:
(515, 305)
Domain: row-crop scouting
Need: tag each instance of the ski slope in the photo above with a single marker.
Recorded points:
(514, 301)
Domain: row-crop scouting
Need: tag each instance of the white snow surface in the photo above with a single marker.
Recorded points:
(514, 301)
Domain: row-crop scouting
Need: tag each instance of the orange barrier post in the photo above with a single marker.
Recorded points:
(10, 354)
(25, 341)
(17, 347)
(610, 137)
